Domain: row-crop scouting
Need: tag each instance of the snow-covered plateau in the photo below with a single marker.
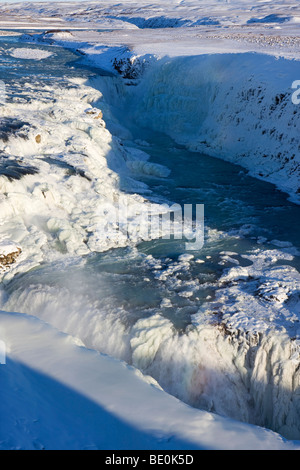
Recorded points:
(122, 339)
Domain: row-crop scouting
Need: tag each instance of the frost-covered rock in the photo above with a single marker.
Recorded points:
(9, 253)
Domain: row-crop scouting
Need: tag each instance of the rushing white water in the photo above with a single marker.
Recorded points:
(219, 327)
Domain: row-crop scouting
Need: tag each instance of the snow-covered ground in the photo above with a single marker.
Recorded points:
(56, 394)
(60, 209)
(164, 14)
(246, 86)
(67, 163)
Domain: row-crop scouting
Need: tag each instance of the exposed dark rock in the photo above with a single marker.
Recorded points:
(8, 259)
(13, 170)
(13, 127)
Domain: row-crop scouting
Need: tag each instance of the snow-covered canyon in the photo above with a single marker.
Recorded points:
(237, 107)
(218, 328)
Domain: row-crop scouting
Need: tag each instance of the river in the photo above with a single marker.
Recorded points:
(197, 324)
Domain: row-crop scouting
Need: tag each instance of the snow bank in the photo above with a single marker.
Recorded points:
(55, 394)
